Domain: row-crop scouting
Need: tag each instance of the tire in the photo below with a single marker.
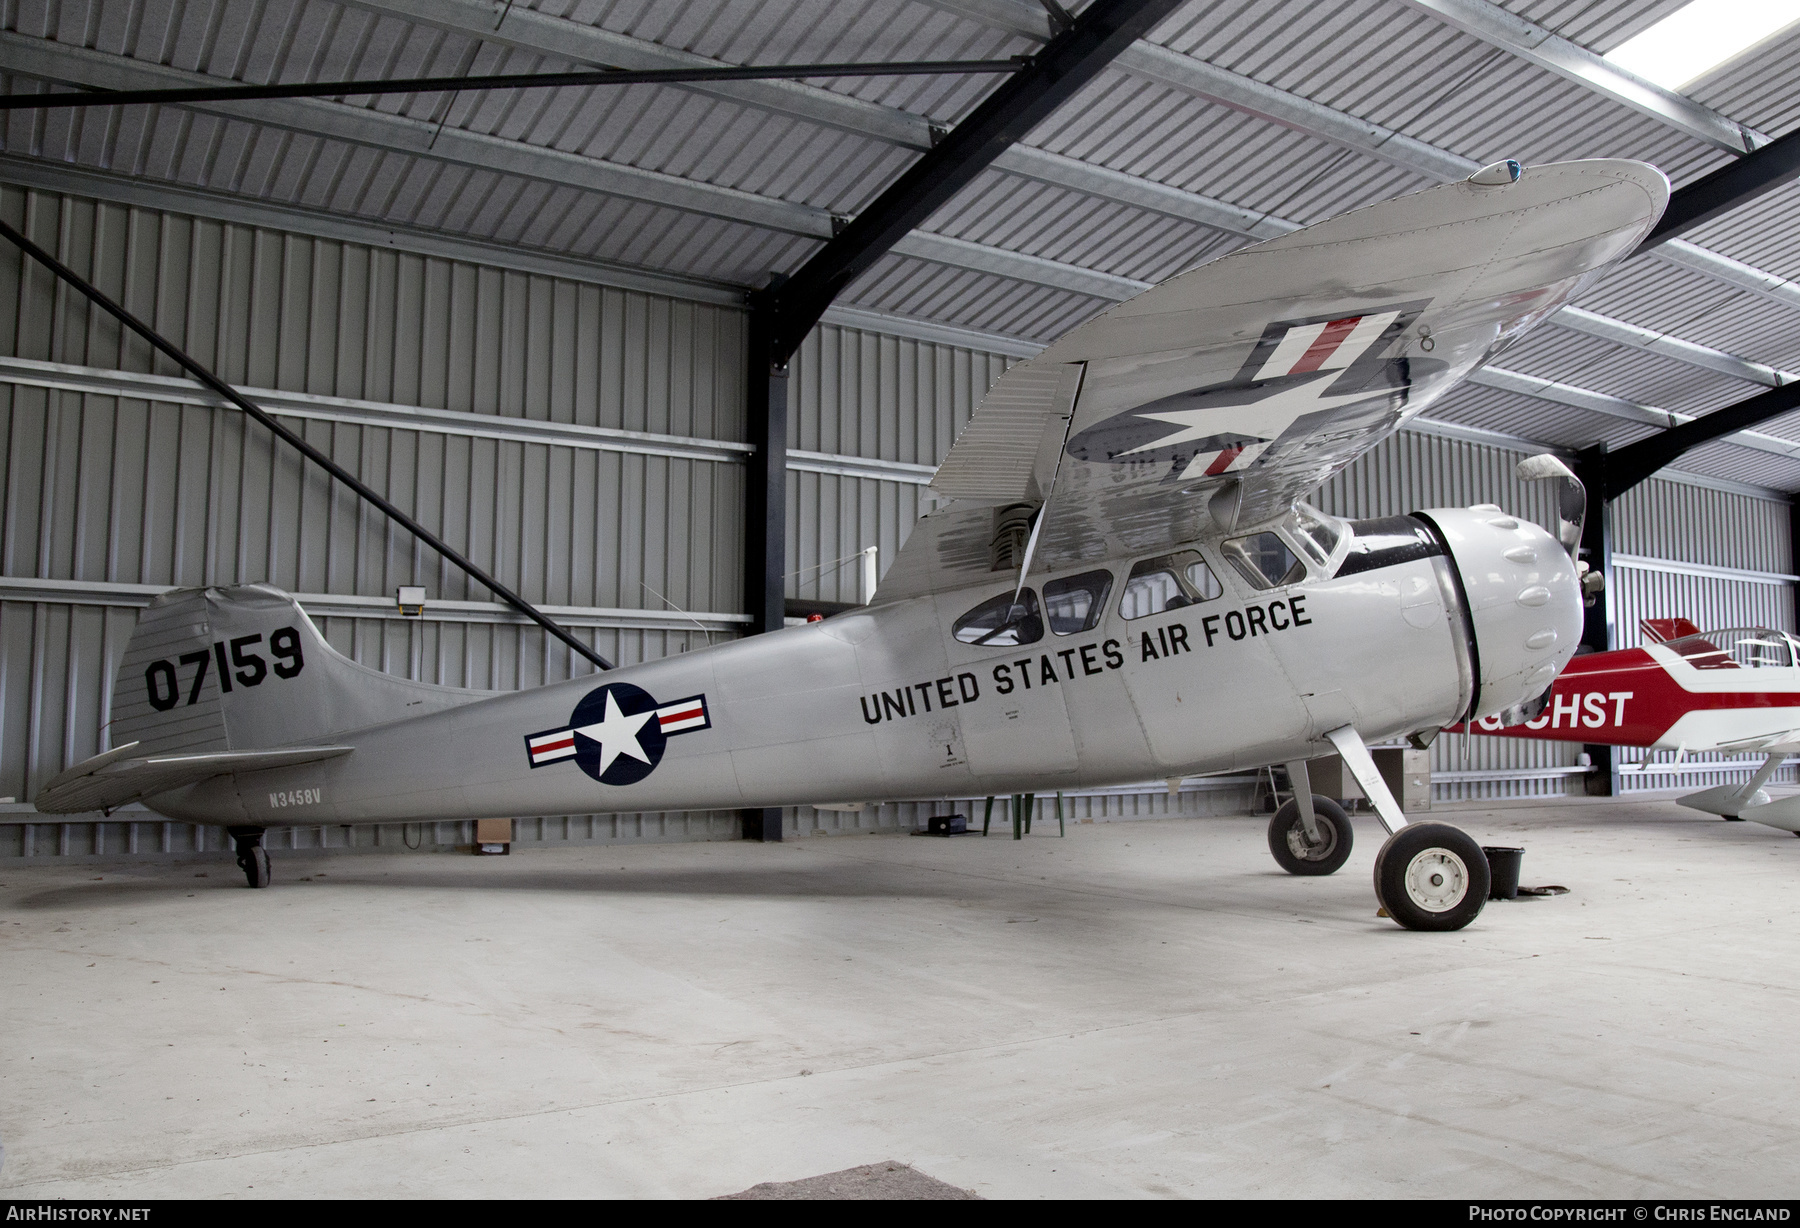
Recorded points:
(255, 864)
(1431, 876)
(1287, 838)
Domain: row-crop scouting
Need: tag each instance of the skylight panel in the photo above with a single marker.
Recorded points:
(1699, 37)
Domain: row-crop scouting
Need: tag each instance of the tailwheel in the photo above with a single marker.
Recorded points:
(252, 858)
(1297, 853)
(1431, 876)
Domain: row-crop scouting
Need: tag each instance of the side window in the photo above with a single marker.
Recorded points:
(1075, 604)
(1167, 582)
(1205, 583)
(1000, 622)
(1264, 560)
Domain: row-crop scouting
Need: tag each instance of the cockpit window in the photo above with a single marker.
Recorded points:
(1076, 603)
(1002, 622)
(1740, 648)
(1264, 560)
(1167, 582)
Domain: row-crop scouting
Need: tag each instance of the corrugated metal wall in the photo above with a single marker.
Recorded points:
(859, 393)
(102, 492)
(1677, 548)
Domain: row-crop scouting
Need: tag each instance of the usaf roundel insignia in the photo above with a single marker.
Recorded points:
(617, 733)
(1301, 379)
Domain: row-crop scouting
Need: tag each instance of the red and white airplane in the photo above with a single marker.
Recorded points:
(1687, 691)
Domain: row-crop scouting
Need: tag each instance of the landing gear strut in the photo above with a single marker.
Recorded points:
(252, 858)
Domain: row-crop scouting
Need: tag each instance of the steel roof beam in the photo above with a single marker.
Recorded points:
(1633, 463)
(559, 38)
(538, 33)
(1065, 65)
(1629, 411)
(1240, 93)
(402, 135)
(783, 313)
(41, 58)
(528, 30)
(1570, 60)
(1731, 186)
(1593, 324)
(481, 83)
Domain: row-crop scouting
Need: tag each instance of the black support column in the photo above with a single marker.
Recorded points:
(765, 496)
(783, 313)
(1591, 466)
(765, 502)
(1794, 553)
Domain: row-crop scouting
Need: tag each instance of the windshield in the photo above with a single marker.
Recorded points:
(1737, 648)
(1317, 533)
(1002, 621)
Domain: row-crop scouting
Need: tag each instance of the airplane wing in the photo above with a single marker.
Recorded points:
(116, 777)
(1230, 391)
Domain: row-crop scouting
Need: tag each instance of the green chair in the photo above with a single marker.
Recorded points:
(1022, 805)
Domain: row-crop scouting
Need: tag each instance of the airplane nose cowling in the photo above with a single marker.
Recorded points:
(1523, 600)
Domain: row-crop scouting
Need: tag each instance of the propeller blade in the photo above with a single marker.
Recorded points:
(1571, 496)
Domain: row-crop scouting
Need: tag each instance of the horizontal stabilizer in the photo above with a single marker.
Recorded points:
(1727, 800)
(115, 778)
(1783, 812)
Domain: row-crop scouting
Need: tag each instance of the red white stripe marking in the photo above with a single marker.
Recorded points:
(686, 714)
(1327, 346)
(1330, 338)
(548, 747)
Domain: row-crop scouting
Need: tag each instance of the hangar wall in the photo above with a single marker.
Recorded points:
(584, 442)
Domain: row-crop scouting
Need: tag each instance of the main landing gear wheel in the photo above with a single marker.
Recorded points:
(1431, 876)
(252, 858)
(1298, 855)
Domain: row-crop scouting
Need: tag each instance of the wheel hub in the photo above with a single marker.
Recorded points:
(1298, 846)
(1437, 880)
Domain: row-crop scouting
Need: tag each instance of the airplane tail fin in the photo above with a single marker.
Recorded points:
(243, 668)
(1661, 630)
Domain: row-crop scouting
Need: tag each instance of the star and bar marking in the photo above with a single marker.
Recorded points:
(617, 733)
(1326, 345)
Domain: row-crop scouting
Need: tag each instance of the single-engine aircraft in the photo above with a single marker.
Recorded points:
(1689, 691)
(1123, 586)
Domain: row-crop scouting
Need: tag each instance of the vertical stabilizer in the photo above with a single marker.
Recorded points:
(244, 668)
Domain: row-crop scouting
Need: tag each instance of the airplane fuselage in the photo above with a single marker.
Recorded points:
(886, 704)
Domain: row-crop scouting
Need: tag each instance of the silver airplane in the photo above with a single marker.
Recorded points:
(1123, 585)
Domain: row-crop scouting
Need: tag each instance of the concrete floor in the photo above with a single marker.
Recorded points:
(1146, 1008)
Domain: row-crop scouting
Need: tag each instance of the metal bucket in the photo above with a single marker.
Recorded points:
(1503, 872)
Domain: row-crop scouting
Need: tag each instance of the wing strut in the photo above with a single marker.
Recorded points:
(1044, 508)
(219, 386)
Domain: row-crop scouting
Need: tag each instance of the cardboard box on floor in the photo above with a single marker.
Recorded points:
(493, 836)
